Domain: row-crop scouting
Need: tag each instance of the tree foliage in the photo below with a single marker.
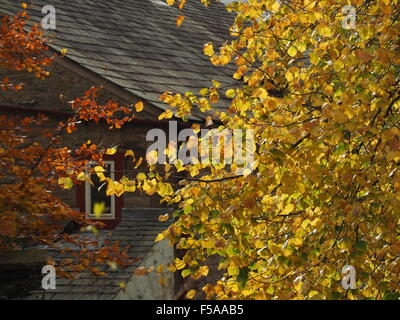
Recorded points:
(323, 101)
(35, 161)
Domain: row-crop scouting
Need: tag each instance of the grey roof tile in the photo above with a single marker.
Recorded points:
(138, 228)
(145, 53)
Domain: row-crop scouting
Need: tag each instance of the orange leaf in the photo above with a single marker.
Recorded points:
(179, 21)
(363, 56)
(182, 4)
(140, 271)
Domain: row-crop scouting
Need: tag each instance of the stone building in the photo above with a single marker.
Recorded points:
(134, 50)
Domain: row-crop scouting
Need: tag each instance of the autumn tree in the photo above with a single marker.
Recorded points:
(35, 160)
(318, 82)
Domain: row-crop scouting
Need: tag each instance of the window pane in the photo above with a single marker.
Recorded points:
(99, 196)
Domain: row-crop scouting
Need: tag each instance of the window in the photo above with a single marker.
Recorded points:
(88, 195)
(96, 194)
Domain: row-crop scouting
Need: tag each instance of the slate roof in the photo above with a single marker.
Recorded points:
(136, 45)
(138, 229)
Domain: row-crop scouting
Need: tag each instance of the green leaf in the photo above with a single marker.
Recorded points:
(391, 296)
(229, 228)
(341, 148)
(242, 277)
(361, 245)
(214, 213)
(185, 273)
(187, 210)
(177, 213)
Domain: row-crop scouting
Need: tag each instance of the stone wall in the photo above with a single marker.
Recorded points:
(153, 286)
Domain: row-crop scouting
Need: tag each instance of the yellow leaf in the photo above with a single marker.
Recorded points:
(292, 51)
(139, 106)
(289, 208)
(167, 114)
(289, 76)
(99, 169)
(163, 217)
(111, 151)
(314, 58)
(326, 31)
(247, 171)
(297, 242)
(160, 268)
(122, 285)
(170, 2)
(66, 182)
(233, 270)
(224, 59)
(262, 93)
(203, 271)
(275, 249)
(130, 153)
(271, 104)
(230, 93)
(191, 294)
(92, 229)
(99, 208)
(276, 6)
(216, 83)
(214, 60)
(207, 244)
(138, 163)
(208, 49)
(141, 176)
(82, 177)
(159, 237)
(301, 47)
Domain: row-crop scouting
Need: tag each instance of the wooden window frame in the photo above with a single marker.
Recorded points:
(110, 222)
(88, 197)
